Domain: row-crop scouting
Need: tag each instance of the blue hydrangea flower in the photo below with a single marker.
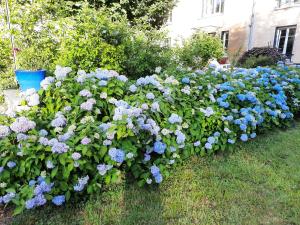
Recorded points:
(253, 135)
(243, 127)
(32, 183)
(244, 137)
(217, 134)
(230, 141)
(58, 200)
(116, 155)
(208, 146)
(159, 147)
(147, 157)
(154, 170)
(81, 183)
(158, 178)
(211, 140)
(150, 96)
(11, 164)
(185, 80)
(30, 204)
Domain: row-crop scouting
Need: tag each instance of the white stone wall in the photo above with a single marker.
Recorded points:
(188, 16)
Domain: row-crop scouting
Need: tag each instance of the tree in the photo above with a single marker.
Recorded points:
(154, 12)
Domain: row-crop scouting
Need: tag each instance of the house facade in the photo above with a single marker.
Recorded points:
(241, 24)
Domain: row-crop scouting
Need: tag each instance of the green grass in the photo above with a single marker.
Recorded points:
(257, 183)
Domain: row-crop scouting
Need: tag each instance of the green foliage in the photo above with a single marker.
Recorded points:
(199, 49)
(261, 60)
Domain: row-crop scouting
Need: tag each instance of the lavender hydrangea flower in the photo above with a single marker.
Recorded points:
(1, 169)
(22, 137)
(47, 82)
(85, 93)
(155, 107)
(59, 148)
(42, 188)
(8, 197)
(197, 143)
(4, 131)
(85, 141)
(180, 139)
(40, 200)
(76, 156)
(67, 108)
(61, 72)
(102, 169)
(88, 105)
(132, 88)
(22, 125)
(122, 78)
(174, 118)
(59, 121)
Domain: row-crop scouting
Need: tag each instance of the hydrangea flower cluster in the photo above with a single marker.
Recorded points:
(22, 125)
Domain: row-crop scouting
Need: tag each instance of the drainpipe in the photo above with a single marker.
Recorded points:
(11, 35)
(251, 26)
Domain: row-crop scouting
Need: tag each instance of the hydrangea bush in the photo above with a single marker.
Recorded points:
(82, 130)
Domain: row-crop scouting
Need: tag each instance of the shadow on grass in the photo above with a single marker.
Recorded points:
(257, 183)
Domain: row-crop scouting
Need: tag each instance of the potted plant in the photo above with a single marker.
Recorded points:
(31, 73)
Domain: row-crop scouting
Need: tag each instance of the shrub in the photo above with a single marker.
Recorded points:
(261, 60)
(94, 40)
(199, 49)
(82, 130)
(270, 56)
(144, 52)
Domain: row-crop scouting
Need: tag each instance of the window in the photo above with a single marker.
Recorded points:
(213, 6)
(283, 3)
(225, 39)
(284, 40)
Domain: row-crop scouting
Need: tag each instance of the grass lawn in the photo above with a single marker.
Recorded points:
(258, 183)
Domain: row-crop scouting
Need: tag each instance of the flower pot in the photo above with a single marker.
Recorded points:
(30, 79)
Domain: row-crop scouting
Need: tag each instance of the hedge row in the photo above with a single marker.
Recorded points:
(83, 130)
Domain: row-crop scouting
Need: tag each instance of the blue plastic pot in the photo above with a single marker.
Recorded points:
(30, 79)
